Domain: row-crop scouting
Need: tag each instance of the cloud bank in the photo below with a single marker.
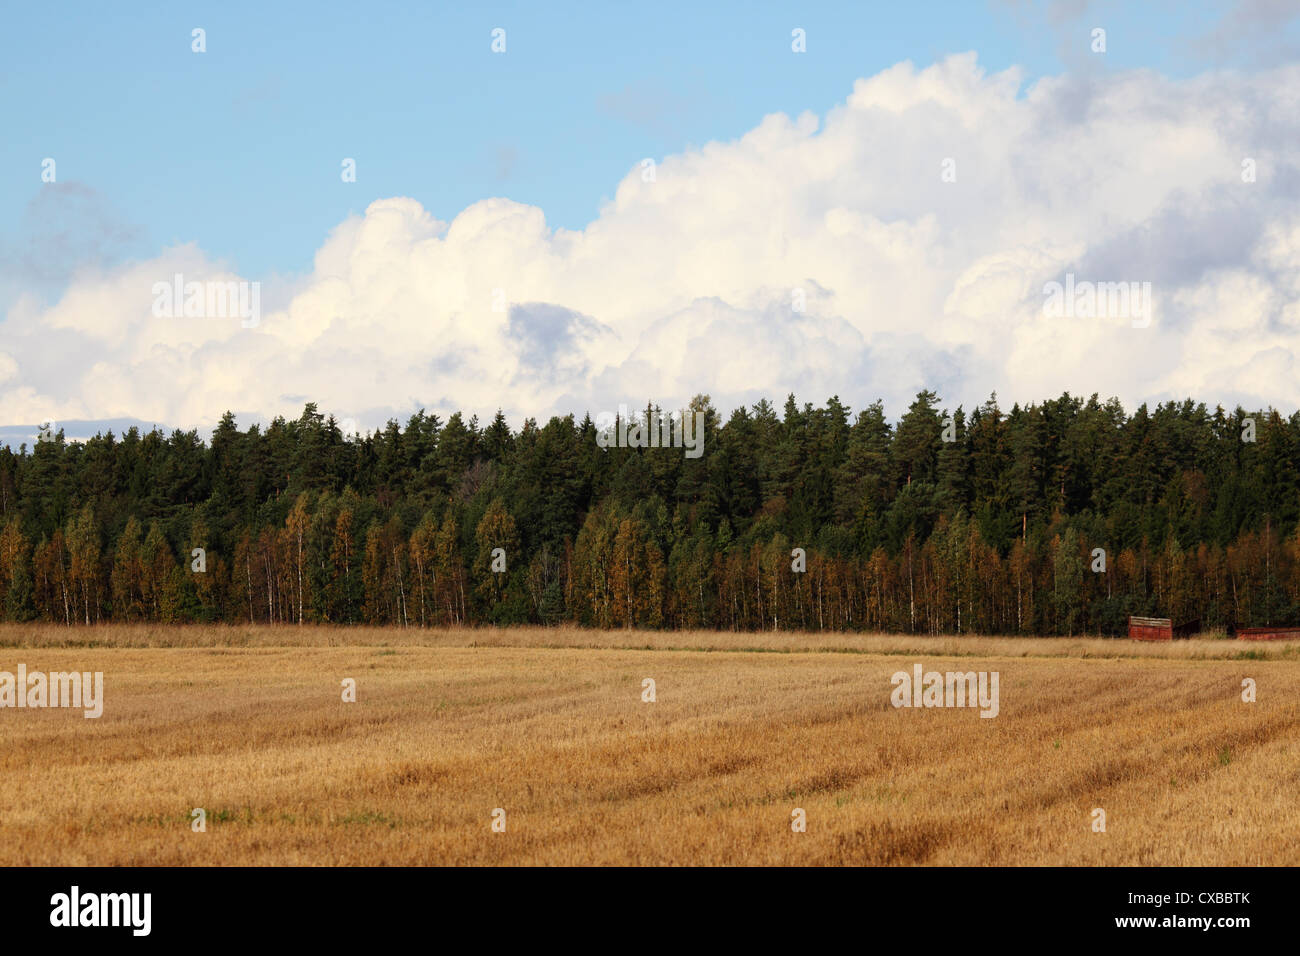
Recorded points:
(692, 282)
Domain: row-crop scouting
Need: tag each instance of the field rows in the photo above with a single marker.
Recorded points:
(588, 773)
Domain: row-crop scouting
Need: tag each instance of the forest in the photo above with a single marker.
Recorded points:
(1056, 518)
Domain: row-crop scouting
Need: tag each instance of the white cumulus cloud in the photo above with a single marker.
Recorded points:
(908, 278)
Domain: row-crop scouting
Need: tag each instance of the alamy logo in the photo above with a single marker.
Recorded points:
(624, 431)
(208, 300)
(935, 689)
(56, 689)
(103, 909)
(1089, 300)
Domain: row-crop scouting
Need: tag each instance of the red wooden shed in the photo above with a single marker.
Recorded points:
(1160, 629)
(1268, 633)
(1150, 629)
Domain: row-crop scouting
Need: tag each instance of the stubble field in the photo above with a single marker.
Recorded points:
(549, 725)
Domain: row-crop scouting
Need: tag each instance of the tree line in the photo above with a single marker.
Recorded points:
(1060, 517)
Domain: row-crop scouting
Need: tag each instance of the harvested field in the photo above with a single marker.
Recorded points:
(549, 724)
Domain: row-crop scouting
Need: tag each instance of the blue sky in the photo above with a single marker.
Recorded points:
(812, 177)
(239, 148)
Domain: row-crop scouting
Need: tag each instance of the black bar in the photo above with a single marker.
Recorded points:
(331, 906)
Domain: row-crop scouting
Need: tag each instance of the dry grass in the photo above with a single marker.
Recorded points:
(549, 724)
(568, 637)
